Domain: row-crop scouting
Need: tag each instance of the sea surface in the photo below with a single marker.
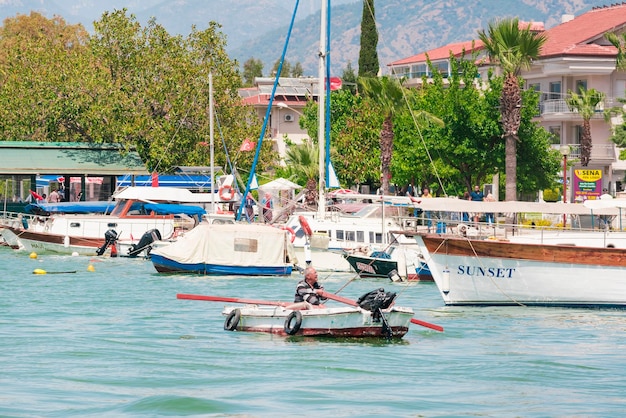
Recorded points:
(115, 342)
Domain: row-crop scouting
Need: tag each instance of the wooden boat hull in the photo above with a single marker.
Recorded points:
(491, 272)
(43, 241)
(350, 322)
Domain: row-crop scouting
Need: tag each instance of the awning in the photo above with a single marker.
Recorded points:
(186, 181)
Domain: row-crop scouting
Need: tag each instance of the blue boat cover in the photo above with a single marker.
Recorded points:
(174, 208)
(69, 207)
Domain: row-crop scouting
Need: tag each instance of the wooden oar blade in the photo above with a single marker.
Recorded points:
(230, 300)
(427, 324)
(350, 302)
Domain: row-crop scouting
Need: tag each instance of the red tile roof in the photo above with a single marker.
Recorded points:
(443, 52)
(574, 37)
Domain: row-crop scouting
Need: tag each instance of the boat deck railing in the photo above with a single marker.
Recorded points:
(532, 227)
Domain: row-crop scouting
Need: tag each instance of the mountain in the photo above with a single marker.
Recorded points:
(258, 28)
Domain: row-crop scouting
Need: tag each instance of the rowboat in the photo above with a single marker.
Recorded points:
(342, 321)
(373, 315)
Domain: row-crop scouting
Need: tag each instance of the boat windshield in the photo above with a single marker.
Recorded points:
(119, 207)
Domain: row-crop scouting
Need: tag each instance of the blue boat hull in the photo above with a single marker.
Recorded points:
(165, 265)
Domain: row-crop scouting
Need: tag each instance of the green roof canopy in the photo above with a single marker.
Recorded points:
(68, 158)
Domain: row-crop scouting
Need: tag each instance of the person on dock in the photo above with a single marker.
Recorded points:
(477, 196)
(308, 291)
(267, 208)
(249, 206)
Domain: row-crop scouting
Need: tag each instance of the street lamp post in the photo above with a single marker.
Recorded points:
(282, 105)
(564, 150)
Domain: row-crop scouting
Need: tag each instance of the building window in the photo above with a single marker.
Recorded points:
(419, 70)
(555, 90)
(555, 135)
(578, 133)
(581, 85)
(442, 67)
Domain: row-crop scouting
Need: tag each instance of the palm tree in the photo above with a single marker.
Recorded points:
(620, 44)
(585, 104)
(513, 49)
(303, 166)
(388, 95)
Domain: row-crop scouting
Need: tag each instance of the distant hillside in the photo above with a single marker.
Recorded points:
(405, 28)
(257, 28)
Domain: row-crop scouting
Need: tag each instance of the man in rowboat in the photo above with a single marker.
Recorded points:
(308, 291)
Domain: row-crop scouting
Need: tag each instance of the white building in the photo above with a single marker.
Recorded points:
(576, 54)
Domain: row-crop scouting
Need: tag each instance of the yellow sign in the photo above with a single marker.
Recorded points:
(589, 175)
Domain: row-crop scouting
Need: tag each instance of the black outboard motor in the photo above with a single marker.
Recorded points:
(376, 300)
(110, 237)
(145, 241)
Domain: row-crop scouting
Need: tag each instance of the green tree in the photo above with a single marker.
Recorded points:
(42, 66)
(467, 149)
(356, 161)
(619, 131)
(584, 103)
(252, 68)
(368, 53)
(618, 42)
(348, 78)
(390, 98)
(513, 49)
(285, 70)
(303, 168)
(297, 70)
(452, 157)
(127, 84)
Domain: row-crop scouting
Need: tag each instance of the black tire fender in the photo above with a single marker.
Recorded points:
(232, 320)
(293, 322)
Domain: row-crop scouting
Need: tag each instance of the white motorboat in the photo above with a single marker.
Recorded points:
(140, 214)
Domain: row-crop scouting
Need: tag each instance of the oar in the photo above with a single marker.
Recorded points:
(231, 300)
(353, 303)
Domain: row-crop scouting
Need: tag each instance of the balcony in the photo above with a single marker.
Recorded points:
(600, 153)
(558, 109)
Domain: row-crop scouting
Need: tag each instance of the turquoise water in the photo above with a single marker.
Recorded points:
(117, 342)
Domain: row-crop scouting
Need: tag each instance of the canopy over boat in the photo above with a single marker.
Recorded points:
(163, 194)
(238, 247)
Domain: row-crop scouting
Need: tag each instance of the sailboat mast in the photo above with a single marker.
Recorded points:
(321, 106)
(211, 146)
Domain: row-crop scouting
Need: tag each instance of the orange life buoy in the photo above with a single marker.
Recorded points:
(305, 225)
(226, 193)
(291, 231)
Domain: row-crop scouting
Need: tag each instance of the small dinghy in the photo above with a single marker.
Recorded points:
(373, 315)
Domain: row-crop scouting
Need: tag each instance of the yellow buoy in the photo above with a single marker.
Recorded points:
(39, 271)
(33, 255)
(90, 268)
